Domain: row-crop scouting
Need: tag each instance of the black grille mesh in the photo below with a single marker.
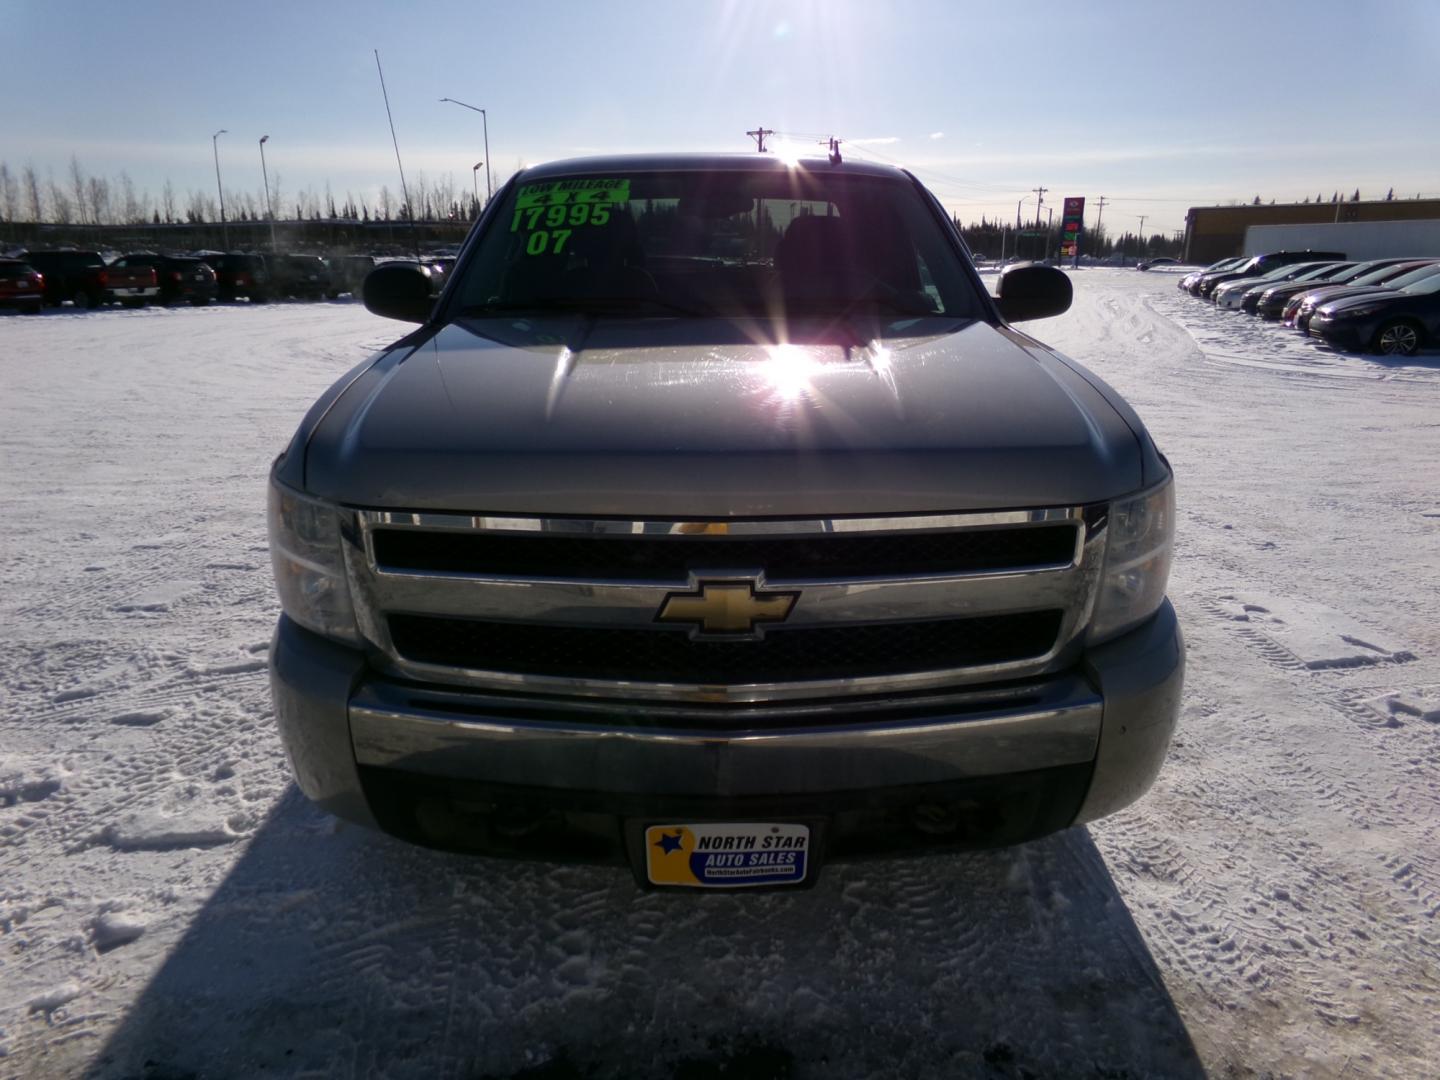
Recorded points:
(641, 558)
(657, 655)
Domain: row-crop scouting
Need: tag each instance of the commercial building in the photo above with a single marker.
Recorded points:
(1218, 232)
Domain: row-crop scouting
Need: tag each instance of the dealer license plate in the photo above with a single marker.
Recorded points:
(727, 855)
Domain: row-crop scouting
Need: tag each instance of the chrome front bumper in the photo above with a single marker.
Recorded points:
(1117, 710)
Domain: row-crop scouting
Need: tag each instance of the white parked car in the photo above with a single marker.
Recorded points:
(1228, 296)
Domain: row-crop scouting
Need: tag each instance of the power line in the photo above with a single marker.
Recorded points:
(759, 135)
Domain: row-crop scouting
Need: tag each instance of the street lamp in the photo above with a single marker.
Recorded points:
(475, 181)
(485, 121)
(269, 206)
(1016, 253)
(215, 146)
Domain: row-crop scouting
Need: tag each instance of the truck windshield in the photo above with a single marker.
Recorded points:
(720, 243)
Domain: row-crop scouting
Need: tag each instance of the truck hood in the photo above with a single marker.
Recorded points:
(684, 418)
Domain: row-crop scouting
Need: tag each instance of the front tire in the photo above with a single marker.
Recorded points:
(82, 300)
(1399, 337)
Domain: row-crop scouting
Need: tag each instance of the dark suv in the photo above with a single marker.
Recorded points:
(347, 272)
(241, 275)
(305, 276)
(78, 276)
(1258, 266)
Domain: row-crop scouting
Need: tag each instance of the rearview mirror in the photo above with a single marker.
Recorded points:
(399, 291)
(1032, 292)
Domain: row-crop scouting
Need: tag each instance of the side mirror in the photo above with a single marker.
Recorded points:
(1032, 292)
(399, 291)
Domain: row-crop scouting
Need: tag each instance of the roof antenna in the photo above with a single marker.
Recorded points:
(409, 206)
(834, 151)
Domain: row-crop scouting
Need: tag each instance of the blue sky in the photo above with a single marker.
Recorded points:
(1155, 105)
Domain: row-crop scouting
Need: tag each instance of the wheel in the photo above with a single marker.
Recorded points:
(258, 297)
(82, 300)
(1397, 338)
(333, 294)
(32, 308)
(199, 301)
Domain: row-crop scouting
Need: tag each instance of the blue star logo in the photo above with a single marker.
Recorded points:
(668, 844)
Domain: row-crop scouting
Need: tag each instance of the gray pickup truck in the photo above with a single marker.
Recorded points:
(716, 521)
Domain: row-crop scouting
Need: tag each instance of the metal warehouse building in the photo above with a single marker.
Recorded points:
(1217, 232)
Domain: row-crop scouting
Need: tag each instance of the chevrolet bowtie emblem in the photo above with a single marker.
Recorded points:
(727, 608)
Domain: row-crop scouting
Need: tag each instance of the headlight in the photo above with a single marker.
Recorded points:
(1140, 535)
(309, 566)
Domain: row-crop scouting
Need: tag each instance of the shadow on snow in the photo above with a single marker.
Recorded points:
(338, 952)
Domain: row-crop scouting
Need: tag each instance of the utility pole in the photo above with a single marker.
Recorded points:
(1142, 234)
(1099, 213)
(759, 135)
(1039, 202)
(215, 146)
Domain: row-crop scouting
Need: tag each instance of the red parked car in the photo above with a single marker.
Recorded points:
(22, 286)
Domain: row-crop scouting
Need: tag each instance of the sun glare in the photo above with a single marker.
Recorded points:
(788, 372)
(787, 152)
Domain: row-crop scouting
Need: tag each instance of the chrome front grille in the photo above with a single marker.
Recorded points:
(803, 653)
(648, 557)
(568, 607)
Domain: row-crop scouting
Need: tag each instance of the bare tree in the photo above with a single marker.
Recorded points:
(9, 193)
(130, 209)
(167, 201)
(444, 195)
(77, 187)
(97, 190)
(195, 206)
(385, 201)
(30, 183)
(61, 209)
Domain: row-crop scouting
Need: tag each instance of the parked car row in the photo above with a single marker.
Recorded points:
(87, 279)
(1387, 306)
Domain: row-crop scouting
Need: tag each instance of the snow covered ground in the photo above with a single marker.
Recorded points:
(169, 905)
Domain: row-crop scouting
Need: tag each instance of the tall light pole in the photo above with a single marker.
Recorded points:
(269, 206)
(475, 182)
(215, 146)
(485, 122)
(1019, 204)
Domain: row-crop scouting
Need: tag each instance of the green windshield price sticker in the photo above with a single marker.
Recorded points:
(551, 211)
(565, 192)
